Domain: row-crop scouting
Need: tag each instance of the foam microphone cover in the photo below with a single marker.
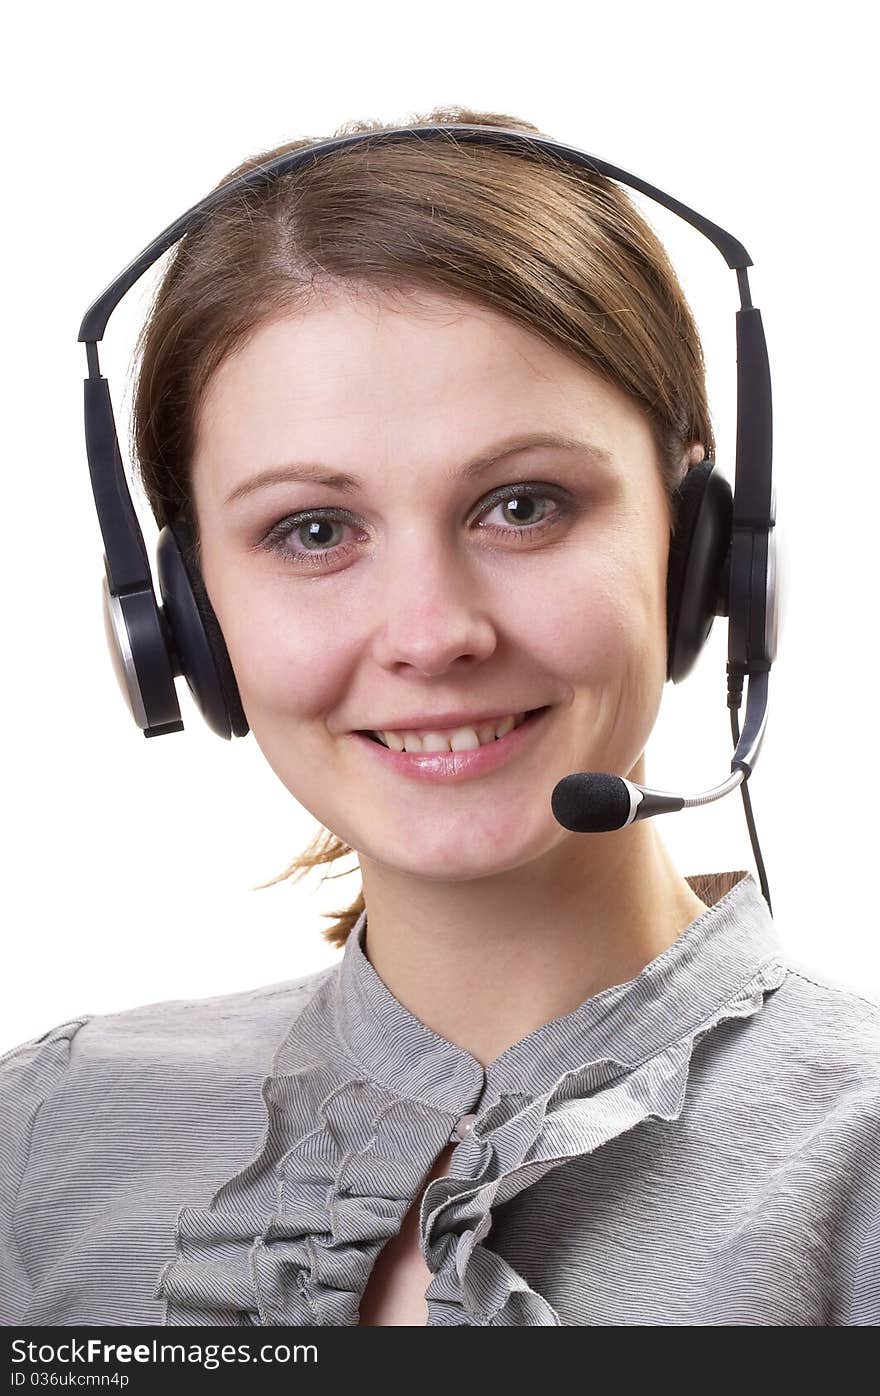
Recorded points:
(591, 802)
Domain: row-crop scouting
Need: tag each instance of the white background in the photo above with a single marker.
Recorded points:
(129, 864)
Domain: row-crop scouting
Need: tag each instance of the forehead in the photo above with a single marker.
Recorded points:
(362, 381)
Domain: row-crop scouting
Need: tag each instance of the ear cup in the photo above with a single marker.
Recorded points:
(195, 631)
(697, 578)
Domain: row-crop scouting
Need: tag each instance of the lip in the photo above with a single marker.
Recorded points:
(457, 765)
(440, 722)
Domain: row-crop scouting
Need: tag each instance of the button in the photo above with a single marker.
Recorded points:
(464, 1126)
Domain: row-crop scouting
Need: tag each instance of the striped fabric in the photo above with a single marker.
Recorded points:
(699, 1145)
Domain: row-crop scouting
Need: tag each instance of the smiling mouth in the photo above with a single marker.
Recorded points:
(530, 712)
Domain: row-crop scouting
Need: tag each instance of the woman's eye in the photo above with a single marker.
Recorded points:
(523, 510)
(313, 538)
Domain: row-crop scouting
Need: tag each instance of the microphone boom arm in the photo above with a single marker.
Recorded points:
(646, 802)
(597, 802)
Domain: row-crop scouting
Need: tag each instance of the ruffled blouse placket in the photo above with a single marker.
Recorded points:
(514, 1145)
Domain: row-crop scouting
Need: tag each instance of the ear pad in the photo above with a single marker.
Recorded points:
(697, 574)
(195, 630)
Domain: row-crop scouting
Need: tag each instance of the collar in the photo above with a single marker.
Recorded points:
(711, 963)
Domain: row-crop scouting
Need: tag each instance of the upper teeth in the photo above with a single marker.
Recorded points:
(456, 739)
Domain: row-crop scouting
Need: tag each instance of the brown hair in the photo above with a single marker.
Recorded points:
(558, 249)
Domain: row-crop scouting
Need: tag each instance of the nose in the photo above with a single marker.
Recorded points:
(431, 612)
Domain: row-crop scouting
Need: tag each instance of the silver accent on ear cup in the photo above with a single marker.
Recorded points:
(119, 647)
(776, 585)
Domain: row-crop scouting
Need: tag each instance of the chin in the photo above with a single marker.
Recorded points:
(454, 854)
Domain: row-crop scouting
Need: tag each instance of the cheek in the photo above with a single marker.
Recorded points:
(589, 623)
(289, 655)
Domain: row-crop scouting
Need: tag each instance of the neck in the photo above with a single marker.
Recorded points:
(486, 961)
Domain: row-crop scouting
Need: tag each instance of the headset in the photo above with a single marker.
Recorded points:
(722, 555)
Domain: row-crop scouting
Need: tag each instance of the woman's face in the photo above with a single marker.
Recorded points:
(427, 586)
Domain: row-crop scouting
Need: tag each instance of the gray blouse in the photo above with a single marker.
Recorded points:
(699, 1145)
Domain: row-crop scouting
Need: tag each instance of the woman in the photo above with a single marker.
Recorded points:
(426, 411)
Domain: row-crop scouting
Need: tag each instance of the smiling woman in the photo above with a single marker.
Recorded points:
(409, 600)
(418, 414)
(350, 317)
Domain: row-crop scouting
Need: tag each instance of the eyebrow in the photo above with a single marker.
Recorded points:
(323, 475)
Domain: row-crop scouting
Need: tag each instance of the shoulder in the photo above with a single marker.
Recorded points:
(790, 1097)
(31, 1070)
(800, 1077)
(831, 1033)
(242, 1026)
(827, 1021)
(813, 1049)
(109, 1119)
